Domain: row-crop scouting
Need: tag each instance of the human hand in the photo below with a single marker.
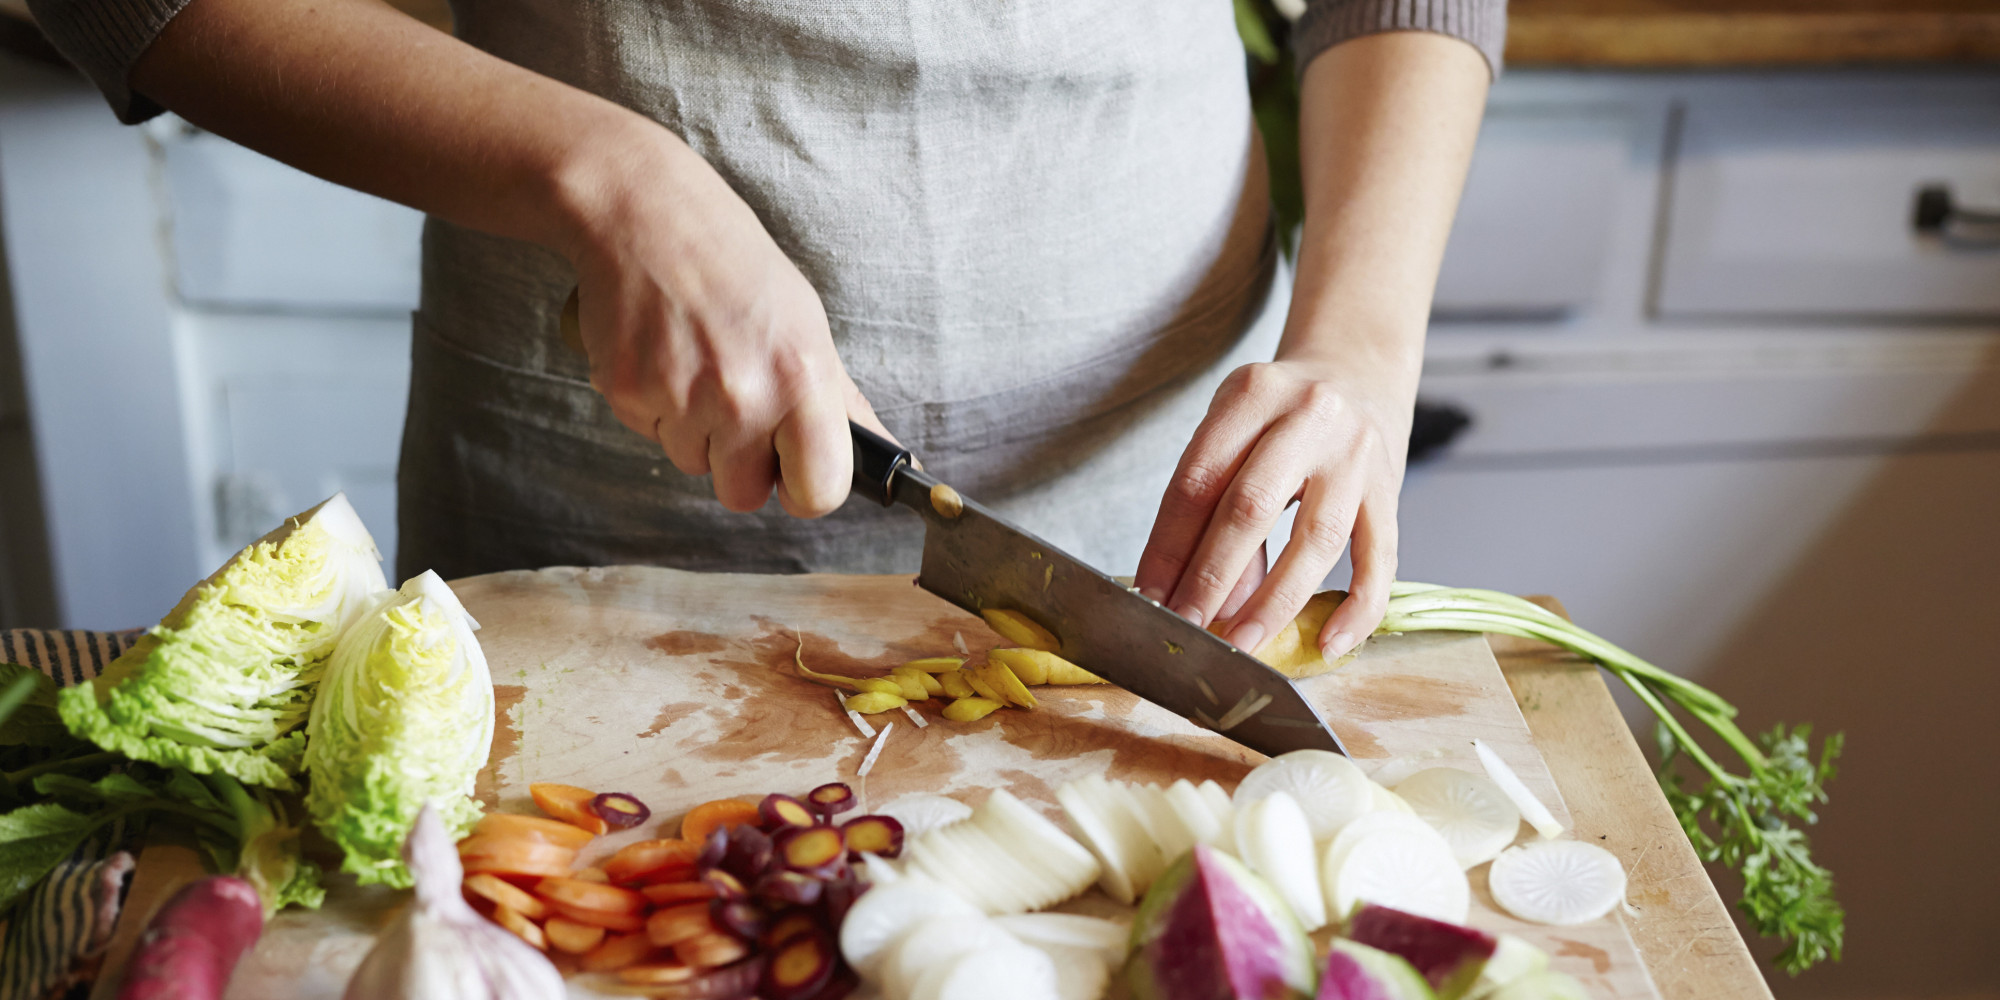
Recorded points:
(1330, 436)
(703, 336)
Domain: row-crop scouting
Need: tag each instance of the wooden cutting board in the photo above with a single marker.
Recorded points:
(679, 687)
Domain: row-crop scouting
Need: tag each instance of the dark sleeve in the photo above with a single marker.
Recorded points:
(104, 38)
(1327, 23)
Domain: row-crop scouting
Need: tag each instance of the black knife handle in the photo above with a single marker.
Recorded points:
(876, 462)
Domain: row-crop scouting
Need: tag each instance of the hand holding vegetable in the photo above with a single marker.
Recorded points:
(705, 338)
(1326, 433)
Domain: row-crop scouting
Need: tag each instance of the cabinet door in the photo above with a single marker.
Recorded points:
(1808, 209)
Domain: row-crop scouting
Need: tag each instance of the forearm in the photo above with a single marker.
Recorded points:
(1386, 133)
(362, 95)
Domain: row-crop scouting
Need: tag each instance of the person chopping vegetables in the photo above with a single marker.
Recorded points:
(1032, 239)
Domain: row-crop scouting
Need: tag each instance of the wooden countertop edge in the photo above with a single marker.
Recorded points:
(1693, 40)
(1684, 931)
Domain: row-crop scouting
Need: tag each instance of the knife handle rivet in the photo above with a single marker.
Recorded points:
(946, 501)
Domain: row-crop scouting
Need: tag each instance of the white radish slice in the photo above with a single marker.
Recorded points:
(1532, 809)
(920, 814)
(1081, 974)
(886, 912)
(1558, 882)
(1108, 938)
(1013, 972)
(939, 856)
(1405, 823)
(1193, 812)
(1174, 834)
(878, 870)
(1151, 860)
(1477, 819)
(1328, 787)
(1094, 829)
(1390, 867)
(933, 942)
(1387, 801)
(1013, 885)
(1225, 814)
(1274, 840)
(1035, 841)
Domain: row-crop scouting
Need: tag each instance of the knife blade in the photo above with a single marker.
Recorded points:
(976, 560)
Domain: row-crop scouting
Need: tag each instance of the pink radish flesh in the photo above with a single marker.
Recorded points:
(1448, 955)
(192, 944)
(1205, 932)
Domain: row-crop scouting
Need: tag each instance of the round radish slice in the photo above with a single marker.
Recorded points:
(1014, 972)
(936, 941)
(1108, 938)
(1141, 842)
(1393, 868)
(1475, 816)
(1330, 789)
(920, 814)
(1014, 886)
(1273, 839)
(887, 912)
(1405, 823)
(1387, 801)
(1557, 881)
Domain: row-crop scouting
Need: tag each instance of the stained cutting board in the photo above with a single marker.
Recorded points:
(679, 688)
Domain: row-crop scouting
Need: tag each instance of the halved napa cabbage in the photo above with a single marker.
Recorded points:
(404, 716)
(224, 682)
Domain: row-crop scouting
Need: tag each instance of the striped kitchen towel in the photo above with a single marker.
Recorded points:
(56, 936)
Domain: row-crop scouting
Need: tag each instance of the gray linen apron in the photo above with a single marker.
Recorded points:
(1039, 228)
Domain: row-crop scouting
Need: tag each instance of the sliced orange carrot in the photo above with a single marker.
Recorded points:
(679, 923)
(710, 951)
(527, 930)
(590, 895)
(642, 859)
(616, 953)
(622, 923)
(706, 818)
(656, 974)
(569, 936)
(670, 893)
(535, 828)
(504, 893)
(569, 804)
(514, 856)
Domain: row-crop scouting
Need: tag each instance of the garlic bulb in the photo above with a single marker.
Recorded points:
(439, 948)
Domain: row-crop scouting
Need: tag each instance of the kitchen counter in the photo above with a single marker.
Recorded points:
(1727, 34)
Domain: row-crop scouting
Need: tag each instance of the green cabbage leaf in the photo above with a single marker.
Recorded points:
(404, 716)
(225, 681)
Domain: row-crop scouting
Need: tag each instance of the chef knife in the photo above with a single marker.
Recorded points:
(977, 560)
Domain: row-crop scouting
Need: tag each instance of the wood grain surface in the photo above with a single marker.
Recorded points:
(680, 687)
(1710, 34)
(1683, 930)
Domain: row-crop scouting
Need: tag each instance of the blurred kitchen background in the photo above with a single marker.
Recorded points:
(1722, 306)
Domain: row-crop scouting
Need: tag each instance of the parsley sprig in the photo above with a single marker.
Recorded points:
(1745, 821)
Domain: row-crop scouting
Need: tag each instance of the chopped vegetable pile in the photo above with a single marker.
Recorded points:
(747, 897)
